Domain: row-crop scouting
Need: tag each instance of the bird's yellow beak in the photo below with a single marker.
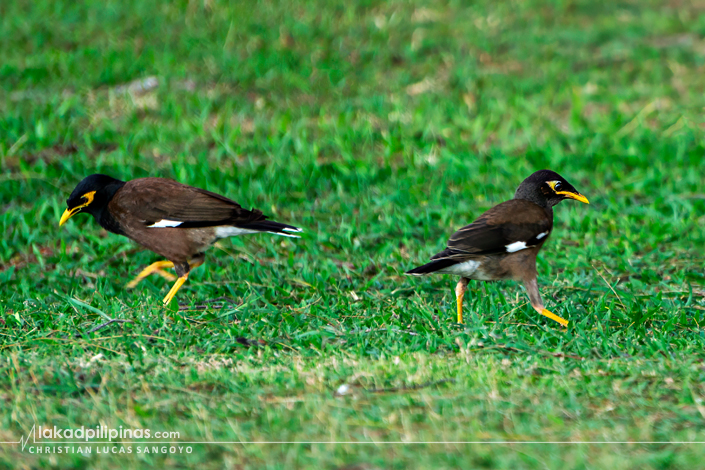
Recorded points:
(576, 196)
(68, 213)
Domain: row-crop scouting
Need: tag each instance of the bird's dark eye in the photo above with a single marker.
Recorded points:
(557, 186)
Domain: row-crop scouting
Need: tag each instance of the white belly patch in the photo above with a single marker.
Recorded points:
(466, 269)
(224, 232)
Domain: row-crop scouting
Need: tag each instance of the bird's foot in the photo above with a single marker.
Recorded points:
(553, 316)
(165, 274)
(177, 285)
(156, 267)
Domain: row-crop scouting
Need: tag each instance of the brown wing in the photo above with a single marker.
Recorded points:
(151, 200)
(501, 229)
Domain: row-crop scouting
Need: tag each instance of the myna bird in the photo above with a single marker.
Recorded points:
(504, 241)
(172, 219)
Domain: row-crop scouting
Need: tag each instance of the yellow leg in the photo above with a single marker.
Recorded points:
(180, 281)
(459, 299)
(554, 317)
(532, 289)
(459, 294)
(158, 268)
(177, 285)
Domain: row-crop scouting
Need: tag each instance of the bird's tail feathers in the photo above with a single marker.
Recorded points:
(270, 226)
(432, 267)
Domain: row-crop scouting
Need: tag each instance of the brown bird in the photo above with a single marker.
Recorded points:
(176, 221)
(504, 241)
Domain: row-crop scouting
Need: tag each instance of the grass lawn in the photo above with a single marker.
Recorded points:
(378, 127)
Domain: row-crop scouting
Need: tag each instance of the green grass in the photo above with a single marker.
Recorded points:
(378, 127)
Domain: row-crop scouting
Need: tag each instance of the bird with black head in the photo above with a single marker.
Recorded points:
(504, 241)
(176, 221)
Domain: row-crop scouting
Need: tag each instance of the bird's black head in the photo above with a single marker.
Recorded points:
(91, 195)
(547, 188)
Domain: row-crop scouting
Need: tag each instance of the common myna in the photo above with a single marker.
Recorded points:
(172, 219)
(503, 242)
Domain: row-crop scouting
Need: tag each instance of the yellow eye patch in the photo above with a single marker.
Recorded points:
(553, 184)
(88, 197)
(557, 186)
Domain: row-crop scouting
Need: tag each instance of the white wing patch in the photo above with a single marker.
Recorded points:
(541, 235)
(516, 246)
(165, 223)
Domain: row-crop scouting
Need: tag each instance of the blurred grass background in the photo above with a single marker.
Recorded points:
(378, 127)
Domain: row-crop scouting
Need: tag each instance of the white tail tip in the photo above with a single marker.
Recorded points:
(285, 234)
